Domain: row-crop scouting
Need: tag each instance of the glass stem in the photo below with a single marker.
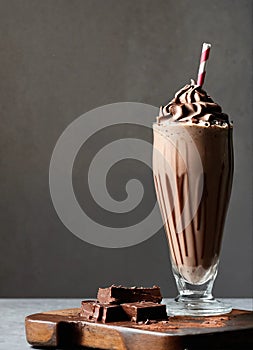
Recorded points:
(190, 292)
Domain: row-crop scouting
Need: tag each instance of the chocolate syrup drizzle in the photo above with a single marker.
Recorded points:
(206, 251)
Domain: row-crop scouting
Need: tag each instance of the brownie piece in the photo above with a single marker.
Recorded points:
(91, 310)
(142, 311)
(95, 311)
(113, 313)
(119, 294)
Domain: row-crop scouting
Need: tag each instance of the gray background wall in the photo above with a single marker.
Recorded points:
(59, 59)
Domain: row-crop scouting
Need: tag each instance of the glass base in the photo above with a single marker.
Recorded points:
(199, 307)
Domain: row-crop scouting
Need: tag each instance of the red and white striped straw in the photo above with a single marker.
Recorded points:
(202, 66)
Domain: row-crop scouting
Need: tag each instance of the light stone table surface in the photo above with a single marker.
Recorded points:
(13, 312)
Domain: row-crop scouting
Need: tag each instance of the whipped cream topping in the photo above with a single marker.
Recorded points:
(192, 104)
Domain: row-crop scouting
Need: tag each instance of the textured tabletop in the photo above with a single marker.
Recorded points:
(13, 312)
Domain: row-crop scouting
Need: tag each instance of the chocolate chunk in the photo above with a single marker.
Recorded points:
(94, 311)
(113, 313)
(91, 310)
(119, 294)
(144, 311)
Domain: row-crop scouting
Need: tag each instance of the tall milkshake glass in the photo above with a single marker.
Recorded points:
(193, 171)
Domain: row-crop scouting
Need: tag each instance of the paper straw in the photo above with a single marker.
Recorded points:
(203, 59)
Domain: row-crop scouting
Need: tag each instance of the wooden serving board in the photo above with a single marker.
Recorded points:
(65, 329)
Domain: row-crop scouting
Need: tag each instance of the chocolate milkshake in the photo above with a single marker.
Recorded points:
(193, 171)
